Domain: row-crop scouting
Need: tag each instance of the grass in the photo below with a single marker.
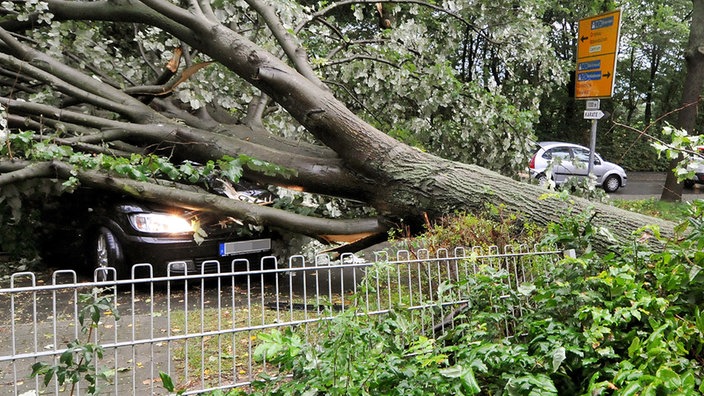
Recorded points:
(672, 211)
(219, 345)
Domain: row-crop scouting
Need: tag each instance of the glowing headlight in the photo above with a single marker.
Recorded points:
(160, 223)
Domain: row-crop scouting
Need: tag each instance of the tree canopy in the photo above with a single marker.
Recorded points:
(404, 109)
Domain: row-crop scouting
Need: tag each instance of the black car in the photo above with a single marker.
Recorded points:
(98, 231)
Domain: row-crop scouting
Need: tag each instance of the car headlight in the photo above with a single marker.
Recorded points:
(160, 223)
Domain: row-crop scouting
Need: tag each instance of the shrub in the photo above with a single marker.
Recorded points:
(496, 226)
(624, 323)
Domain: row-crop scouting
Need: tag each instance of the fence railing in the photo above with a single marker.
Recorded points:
(202, 329)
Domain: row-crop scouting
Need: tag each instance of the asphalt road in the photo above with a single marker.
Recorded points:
(642, 185)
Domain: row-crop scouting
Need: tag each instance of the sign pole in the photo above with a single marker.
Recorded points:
(593, 113)
(592, 148)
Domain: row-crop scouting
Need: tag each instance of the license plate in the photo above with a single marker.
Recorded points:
(244, 247)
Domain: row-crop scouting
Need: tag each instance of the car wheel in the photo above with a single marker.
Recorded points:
(612, 183)
(542, 179)
(689, 184)
(106, 252)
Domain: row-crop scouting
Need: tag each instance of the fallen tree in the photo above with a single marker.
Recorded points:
(89, 114)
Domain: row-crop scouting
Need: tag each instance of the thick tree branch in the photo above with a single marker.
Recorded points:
(207, 10)
(173, 12)
(255, 111)
(46, 111)
(247, 212)
(59, 127)
(72, 82)
(60, 83)
(12, 172)
(293, 50)
(343, 3)
(119, 11)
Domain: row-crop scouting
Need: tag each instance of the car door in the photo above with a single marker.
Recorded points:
(558, 158)
(579, 165)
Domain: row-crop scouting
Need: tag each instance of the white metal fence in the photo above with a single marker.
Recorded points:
(201, 329)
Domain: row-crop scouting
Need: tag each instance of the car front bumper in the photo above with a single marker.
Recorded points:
(182, 255)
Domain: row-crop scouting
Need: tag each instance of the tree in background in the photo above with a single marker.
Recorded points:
(648, 85)
(694, 81)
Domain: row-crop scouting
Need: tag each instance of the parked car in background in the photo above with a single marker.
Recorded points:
(560, 161)
(697, 166)
(95, 231)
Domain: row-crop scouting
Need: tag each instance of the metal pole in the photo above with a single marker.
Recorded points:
(592, 148)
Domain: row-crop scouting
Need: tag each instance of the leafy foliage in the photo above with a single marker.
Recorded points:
(363, 355)
(624, 323)
(681, 145)
(496, 226)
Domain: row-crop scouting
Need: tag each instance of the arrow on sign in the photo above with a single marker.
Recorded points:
(607, 75)
(584, 38)
(593, 114)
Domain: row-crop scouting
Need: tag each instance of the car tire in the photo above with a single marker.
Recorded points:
(105, 252)
(689, 184)
(612, 183)
(542, 180)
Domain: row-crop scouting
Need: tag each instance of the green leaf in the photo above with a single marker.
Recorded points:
(670, 379)
(631, 389)
(469, 382)
(66, 358)
(526, 288)
(635, 348)
(166, 381)
(694, 271)
(558, 356)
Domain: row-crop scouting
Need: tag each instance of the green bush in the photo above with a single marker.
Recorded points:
(624, 323)
(496, 226)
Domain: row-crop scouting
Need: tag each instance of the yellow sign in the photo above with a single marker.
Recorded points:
(597, 48)
(595, 77)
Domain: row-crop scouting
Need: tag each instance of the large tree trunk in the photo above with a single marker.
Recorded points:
(693, 84)
(360, 162)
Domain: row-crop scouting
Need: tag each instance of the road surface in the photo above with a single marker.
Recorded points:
(642, 185)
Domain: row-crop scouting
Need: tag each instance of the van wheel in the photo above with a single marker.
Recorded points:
(106, 252)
